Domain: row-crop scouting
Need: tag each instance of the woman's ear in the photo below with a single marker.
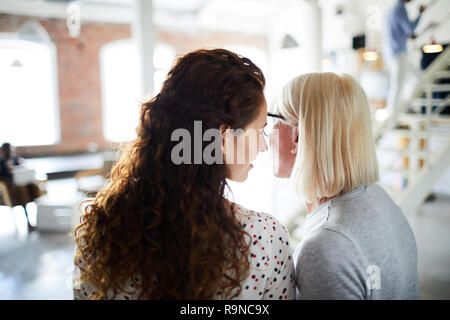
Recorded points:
(294, 140)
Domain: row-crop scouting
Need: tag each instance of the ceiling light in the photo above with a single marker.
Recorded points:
(289, 42)
(370, 56)
(432, 48)
(16, 63)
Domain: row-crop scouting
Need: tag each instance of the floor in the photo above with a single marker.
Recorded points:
(35, 265)
(39, 265)
(432, 230)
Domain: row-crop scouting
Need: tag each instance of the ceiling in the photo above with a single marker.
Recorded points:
(227, 15)
(249, 16)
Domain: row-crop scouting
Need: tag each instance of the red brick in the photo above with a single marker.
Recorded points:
(80, 105)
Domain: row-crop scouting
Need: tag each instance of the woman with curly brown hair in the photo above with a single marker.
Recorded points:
(163, 229)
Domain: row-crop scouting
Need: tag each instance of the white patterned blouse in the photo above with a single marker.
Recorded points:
(271, 273)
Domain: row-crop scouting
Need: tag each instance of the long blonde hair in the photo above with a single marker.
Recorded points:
(336, 150)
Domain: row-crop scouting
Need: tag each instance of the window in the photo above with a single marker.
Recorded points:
(28, 92)
(120, 85)
(120, 90)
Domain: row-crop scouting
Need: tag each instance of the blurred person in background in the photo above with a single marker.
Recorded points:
(397, 31)
(18, 195)
(8, 159)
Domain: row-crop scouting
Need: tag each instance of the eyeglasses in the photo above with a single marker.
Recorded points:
(278, 116)
(267, 131)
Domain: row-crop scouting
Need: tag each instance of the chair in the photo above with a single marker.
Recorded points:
(14, 195)
(92, 187)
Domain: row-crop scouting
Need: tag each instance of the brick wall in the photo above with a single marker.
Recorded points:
(80, 105)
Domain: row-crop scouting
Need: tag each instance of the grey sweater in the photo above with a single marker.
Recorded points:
(357, 246)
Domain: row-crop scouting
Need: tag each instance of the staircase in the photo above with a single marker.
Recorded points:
(417, 144)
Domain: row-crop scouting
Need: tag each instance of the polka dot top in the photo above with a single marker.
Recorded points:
(271, 264)
(271, 274)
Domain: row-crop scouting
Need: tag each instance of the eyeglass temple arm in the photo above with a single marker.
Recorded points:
(279, 116)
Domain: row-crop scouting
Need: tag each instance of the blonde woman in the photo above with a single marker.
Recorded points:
(357, 243)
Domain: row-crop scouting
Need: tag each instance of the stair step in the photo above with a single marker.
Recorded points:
(439, 87)
(404, 172)
(442, 74)
(417, 117)
(433, 102)
(410, 133)
(405, 152)
(421, 133)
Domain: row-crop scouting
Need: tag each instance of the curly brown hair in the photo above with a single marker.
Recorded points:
(171, 224)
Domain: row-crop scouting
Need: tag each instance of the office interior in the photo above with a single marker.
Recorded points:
(73, 75)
